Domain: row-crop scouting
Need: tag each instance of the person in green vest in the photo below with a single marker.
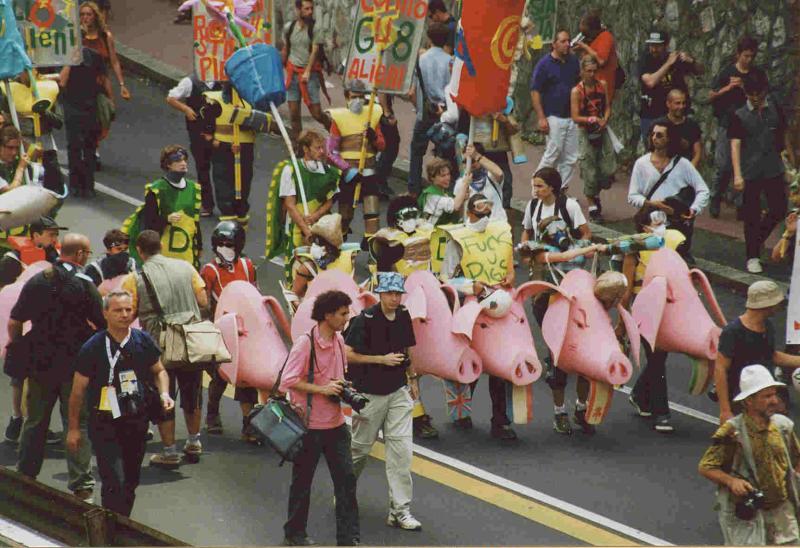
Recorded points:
(171, 208)
(437, 204)
(320, 184)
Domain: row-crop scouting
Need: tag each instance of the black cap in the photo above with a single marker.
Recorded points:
(46, 223)
(657, 36)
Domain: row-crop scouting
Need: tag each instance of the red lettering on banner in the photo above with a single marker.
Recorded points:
(417, 9)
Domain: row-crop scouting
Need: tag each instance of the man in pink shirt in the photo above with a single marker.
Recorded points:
(316, 392)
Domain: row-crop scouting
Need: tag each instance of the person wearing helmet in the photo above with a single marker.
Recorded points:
(228, 265)
(171, 208)
(466, 264)
(555, 232)
(326, 252)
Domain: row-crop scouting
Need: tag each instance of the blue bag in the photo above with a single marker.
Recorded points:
(257, 74)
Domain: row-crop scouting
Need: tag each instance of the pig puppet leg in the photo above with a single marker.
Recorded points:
(599, 401)
(519, 403)
(702, 373)
(459, 400)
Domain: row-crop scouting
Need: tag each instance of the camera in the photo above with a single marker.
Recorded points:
(747, 508)
(352, 397)
(130, 405)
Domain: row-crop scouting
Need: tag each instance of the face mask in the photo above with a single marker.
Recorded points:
(227, 254)
(479, 225)
(119, 260)
(408, 226)
(356, 105)
(175, 176)
(659, 230)
(317, 251)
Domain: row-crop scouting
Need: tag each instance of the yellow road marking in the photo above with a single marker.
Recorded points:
(499, 497)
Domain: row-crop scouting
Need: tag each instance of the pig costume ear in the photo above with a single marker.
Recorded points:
(278, 316)
(531, 289)
(699, 278)
(648, 308)
(464, 319)
(633, 333)
(417, 304)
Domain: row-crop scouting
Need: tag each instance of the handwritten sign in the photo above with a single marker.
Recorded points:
(396, 27)
(543, 15)
(213, 44)
(51, 30)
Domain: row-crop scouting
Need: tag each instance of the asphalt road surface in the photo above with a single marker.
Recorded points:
(627, 484)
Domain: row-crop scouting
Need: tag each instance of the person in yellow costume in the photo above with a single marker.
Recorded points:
(326, 252)
(171, 208)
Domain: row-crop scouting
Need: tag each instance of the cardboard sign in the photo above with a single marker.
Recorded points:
(543, 15)
(213, 44)
(793, 313)
(51, 31)
(396, 27)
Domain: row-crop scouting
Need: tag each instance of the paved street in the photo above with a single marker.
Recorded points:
(626, 484)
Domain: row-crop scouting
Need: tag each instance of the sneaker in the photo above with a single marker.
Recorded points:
(302, 541)
(52, 438)
(213, 424)
(423, 428)
(503, 433)
(580, 419)
(561, 424)
(404, 521)
(193, 448)
(639, 411)
(464, 423)
(13, 429)
(85, 495)
(169, 461)
(754, 266)
(149, 436)
(663, 426)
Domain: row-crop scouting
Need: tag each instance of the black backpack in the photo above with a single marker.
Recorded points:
(561, 207)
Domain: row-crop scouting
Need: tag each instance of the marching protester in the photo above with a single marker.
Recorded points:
(391, 137)
(171, 208)
(437, 204)
(748, 339)
(314, 377)
(757, 133)
(115, 375)
(599, 42)
(188, 97)
(41, 245)
(168, 289)
(302, 57)
(432, 76)
(727, 96)
(660, 71)
(12, 162)
(228, 265)
(117, 262)
(667, 181)
(60, 303)
(555, 224)
(752, 459)
(691, 146)
(377, 343)
(551, 84)
(438, 13)
(485, 177)
(590, 106)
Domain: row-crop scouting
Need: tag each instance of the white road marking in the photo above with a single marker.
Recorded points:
(23, 535)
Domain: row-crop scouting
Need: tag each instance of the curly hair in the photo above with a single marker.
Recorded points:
(328, 303)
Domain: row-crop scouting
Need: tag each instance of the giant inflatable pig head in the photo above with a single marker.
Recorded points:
(579, 333)
(439, 350)
(501, 335)
(326, 281)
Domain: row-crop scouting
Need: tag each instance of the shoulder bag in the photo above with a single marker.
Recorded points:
(191, 345)
(280, 423)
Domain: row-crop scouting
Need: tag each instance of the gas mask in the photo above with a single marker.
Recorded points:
(408, 225)
(317, 251)
(554, 232)
(356, 105)
(479, 225)
(407, 219)
(226, 254)
(658, 220)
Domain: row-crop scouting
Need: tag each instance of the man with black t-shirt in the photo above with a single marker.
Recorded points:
(377, 355)
(660, 71)
(690, 145)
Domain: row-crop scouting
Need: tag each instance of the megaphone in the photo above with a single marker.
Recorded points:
(25, 102)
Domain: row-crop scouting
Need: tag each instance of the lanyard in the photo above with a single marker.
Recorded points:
(112, 360)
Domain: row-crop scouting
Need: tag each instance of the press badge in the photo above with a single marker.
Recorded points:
(128, 383)
(109, 402)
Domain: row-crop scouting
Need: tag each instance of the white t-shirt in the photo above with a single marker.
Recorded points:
(288, 179)
(645, 175)
(183, 89)
(491, 190)
(532, 214)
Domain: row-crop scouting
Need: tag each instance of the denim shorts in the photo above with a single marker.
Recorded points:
(293, 91)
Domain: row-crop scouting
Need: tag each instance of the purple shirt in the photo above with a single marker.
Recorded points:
(554, 80)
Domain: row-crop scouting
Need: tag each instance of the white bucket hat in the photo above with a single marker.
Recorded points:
(754, 379)
(763, 294)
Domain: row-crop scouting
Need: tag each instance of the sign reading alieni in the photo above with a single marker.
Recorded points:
(51, 30)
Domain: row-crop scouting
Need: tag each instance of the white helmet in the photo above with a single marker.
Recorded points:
(497, 304)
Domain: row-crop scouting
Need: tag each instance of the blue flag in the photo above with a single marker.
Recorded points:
(13, 59)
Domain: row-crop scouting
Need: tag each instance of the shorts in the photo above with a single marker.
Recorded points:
(370, 186)
(189, 384)
(293, 91)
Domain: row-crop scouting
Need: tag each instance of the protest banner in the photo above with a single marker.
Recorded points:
(213, 44)
(51, 31)
(394, 26)
(543, 15)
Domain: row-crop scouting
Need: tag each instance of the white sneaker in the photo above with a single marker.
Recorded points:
(193, 448)
(754, 266)
(404, 521)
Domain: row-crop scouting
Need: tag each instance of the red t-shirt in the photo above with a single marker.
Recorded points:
(217, 276)
(603, 45)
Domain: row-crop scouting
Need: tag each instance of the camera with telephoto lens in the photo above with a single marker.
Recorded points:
(752, 503)
(351, 397)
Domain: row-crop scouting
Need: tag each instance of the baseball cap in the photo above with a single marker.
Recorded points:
(763, 294)
(46, 223)
(657, 36)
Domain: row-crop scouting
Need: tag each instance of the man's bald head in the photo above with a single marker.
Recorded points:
(75, 248)
(676, 93)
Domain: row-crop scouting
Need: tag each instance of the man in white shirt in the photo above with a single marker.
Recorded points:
(669, 182)
(487, 179)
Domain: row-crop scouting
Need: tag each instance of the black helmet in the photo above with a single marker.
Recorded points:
(228, 231)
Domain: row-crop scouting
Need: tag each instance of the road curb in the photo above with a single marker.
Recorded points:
(139, 62)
